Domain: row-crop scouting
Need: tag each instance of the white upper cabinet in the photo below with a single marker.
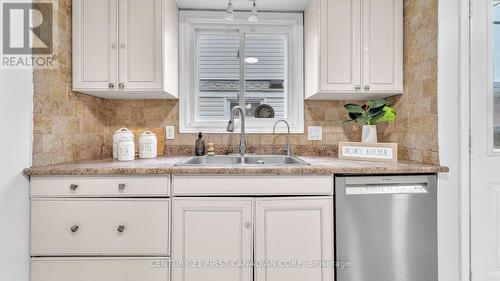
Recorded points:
(140, 44)
(125, 49)
(95, 36)
(383, 46)
(353, 49)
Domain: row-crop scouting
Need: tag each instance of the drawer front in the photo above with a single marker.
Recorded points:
(252, 185)
(115, 227)
(100, 269)
(99, 186)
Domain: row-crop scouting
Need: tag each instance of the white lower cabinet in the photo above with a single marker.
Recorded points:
(215, 228)
(278, 238)
(100, 269)
(210, 235)
(294, 239)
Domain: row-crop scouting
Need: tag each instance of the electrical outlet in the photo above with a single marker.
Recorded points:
(315, 133)
(170, 135)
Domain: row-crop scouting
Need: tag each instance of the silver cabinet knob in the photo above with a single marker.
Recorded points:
(121, 86)
(113, 46)
(121, 187)
(357, 87)
(367, 87)
(111, 85)
(123, 46)
(74, 228)
(248, 224)
(121, 228)
(73, 187)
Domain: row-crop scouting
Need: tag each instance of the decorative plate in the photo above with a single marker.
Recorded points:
(264, 111)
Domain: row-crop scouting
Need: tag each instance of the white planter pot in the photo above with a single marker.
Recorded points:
(369, 134)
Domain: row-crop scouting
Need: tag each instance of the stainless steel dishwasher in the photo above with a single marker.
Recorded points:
(386, 228)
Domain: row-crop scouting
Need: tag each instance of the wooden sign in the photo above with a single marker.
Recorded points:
(377, 152)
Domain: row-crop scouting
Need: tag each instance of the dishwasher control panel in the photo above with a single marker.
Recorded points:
(386, 189)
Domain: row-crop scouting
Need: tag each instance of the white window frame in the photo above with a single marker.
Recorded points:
(290, 23)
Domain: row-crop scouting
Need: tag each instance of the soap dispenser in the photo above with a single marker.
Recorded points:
(200, 145)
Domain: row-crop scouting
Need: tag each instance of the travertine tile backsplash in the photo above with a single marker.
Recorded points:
(416, 129)
(70, 127)
(147, 113)
(66, 125)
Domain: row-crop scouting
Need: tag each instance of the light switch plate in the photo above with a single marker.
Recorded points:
(170, 135)
(315, 133)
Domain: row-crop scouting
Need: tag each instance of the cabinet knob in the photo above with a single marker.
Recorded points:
(121, 228)
(111, 85)
(73, 187)
(357, 87)
(367, 87)
(74, 228)
(122, 46)
(113, 46)
(121, 187)
(248, 224)
(121, 86)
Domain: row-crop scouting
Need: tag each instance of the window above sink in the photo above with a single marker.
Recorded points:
(216, 55)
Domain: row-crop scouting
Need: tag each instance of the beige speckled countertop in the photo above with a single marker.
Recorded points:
(165, 165)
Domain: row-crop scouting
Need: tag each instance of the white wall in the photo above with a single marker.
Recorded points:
(16, 107)
(453, 143)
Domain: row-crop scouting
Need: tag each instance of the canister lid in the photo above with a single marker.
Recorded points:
(123, 130)
(148, 133)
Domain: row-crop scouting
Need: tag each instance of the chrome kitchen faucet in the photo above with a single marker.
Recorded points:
(230, 127)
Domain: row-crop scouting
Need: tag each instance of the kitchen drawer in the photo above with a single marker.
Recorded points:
(222, 185)
(67, 186)
(100, 269)
(90, 227)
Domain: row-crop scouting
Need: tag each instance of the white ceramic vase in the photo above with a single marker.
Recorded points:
(369, 134)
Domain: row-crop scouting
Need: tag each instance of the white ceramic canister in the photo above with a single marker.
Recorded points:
(122, 133)
(148, 145)
(126, 150)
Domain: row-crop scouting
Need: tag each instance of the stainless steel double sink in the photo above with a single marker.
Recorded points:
(247, 160)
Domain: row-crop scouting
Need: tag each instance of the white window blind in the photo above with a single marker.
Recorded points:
(219, 70)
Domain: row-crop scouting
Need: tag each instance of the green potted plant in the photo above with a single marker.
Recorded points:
(368, 115)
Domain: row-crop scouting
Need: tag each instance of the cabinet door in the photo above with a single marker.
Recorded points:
(340, 47)
(383, 46)
(211, 238)
(100, 269)
(291, 237)
(140, 45)
(95, 37)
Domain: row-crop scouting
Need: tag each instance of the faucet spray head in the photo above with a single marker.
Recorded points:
(230, 126)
